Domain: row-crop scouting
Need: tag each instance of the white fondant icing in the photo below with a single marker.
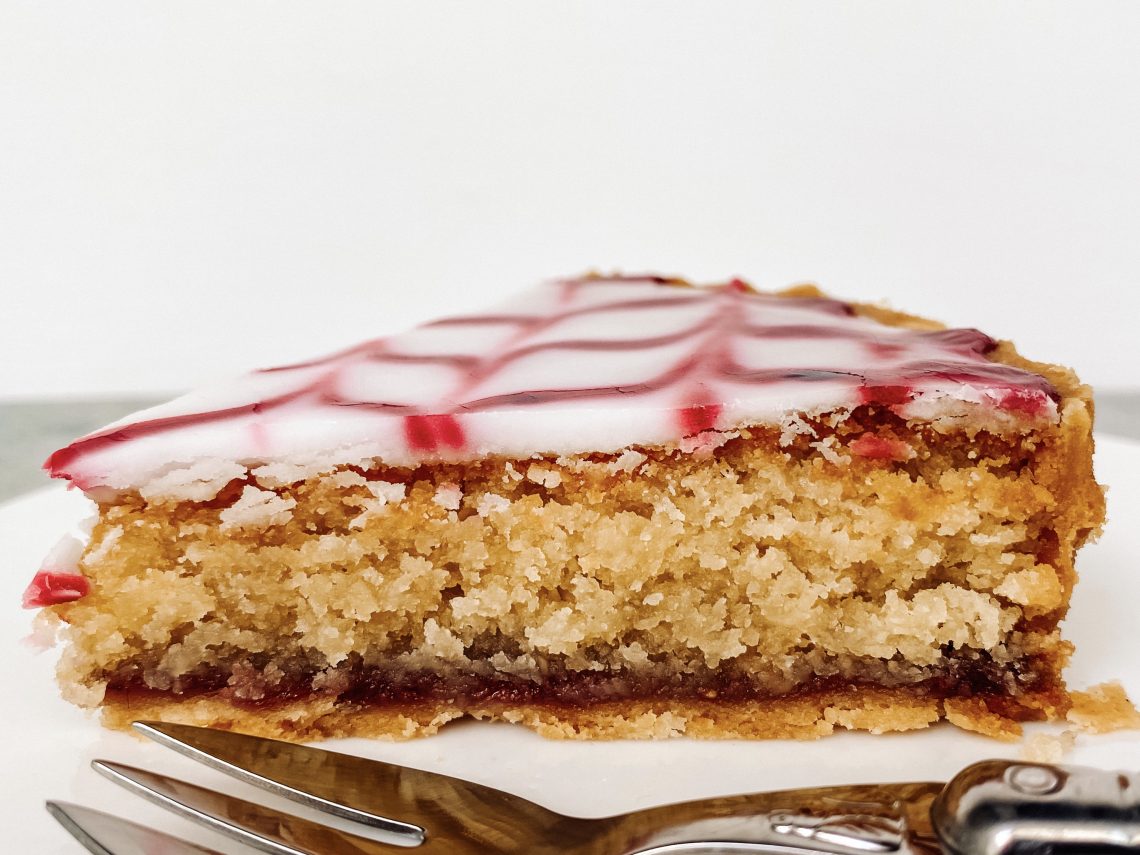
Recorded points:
(568, 367)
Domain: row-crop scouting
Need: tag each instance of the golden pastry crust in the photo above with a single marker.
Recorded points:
(811, 716)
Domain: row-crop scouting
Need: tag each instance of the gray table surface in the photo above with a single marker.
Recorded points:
(31, 430)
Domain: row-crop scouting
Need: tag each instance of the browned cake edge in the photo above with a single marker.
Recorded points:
(1064, 464)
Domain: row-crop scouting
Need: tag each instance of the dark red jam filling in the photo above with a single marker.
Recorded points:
(962, 675)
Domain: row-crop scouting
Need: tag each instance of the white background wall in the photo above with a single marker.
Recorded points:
(188, 188)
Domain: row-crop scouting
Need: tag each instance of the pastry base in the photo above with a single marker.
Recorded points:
(807, 716)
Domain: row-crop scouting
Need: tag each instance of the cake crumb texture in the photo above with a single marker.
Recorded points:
(1103, 708)
(1048, 747)
(783, 586)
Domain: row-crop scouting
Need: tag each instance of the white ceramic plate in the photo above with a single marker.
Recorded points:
(47, 744)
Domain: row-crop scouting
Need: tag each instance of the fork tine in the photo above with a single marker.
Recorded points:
(318, 779)
(351, 787)
(104, 834)
(252, 824)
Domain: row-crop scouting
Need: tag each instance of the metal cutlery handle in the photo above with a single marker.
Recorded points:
(999, 807)
(995, 807)
(871, 819)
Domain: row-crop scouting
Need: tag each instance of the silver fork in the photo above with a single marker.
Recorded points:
(988, 808)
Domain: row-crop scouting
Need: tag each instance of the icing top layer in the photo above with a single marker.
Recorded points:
(593, 364)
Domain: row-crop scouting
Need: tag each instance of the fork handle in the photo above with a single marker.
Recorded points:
(893, 819)
(995, 807)
(998, 807)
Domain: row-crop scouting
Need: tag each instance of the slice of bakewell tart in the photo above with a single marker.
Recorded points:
(611, 507)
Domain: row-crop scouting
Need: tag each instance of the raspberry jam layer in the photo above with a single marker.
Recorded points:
(962, 674)
(592, 364)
